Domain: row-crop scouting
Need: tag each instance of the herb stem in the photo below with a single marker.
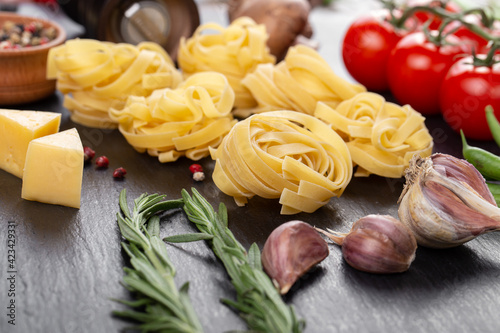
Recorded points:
(160, 307)
(258, 300)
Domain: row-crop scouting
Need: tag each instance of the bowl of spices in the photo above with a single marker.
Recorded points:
(24, 46)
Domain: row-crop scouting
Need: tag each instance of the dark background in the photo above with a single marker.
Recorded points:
(69, 262)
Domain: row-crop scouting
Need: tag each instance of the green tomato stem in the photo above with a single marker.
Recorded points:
(448, 17)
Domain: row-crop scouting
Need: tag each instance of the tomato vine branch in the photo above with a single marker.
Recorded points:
(487, 21)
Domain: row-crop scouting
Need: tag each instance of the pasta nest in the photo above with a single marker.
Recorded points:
(95, 76)
(179, 122)
(283, 154)
(297, 83)
(382, 137)
(233, 51)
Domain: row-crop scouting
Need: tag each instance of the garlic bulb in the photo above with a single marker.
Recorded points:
(446, 202)
(290, 251)
(376, 244)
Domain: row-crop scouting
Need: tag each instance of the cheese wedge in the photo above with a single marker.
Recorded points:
(54, 169)
(17, 129)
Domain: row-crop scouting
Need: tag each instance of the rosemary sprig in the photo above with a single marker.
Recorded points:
(258, 300)
(160, 306)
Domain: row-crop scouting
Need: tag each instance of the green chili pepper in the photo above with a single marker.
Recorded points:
(486, 163)
(495, 190)
(493, 123)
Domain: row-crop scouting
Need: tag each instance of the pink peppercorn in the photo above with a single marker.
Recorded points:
(31, 27)
(119, 173)
(88, 154)
(197, 171)
(195, 168)
(102, 162)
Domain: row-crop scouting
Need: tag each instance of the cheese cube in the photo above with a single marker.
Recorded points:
(54, 169)
(17, 129)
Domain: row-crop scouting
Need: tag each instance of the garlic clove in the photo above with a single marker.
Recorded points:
(370, 251)
(446, 206)
(377, 244)
(290, 251)
(399, 235)
(463, 171)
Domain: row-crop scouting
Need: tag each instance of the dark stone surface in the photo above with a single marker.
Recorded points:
(69, 262)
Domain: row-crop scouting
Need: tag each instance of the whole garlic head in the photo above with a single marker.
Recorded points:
(446, 202)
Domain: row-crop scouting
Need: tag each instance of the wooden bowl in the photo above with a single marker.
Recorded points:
(23, 70)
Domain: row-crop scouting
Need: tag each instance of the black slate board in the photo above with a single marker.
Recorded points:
(68, 262)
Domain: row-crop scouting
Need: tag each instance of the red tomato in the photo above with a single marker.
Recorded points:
(366, 48)
(416, 69)
(465, 92)
(470, 39)
(435, 21)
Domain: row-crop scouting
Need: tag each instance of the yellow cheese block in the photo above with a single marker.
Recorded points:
(17, 129)
(54, 168)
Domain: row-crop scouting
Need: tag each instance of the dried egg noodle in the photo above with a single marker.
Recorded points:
(233, 51)
(382, 137)
(297, 83)
(95, 76)
(179, 122)
(283, 154)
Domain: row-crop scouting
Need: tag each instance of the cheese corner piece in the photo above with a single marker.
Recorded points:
(17, 129)
(54, 168)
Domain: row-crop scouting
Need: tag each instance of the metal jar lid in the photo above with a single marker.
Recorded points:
(160, 21)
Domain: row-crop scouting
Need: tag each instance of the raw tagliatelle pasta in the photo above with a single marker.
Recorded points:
(382, 137)
(179, 122)
(297, 83)
(283, 154)
(233, 51)
(95, 76)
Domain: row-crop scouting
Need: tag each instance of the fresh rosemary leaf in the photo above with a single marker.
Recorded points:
(161, 206)
(254, 257)
(139, 316)
(154, 226)
(186, 238)
(133, 304)
(160, 307)
(131, 233)
(152, 323)
(235, 252)
(149, 273)
(162, 326)
(133, 251)
(223, 214)
(258, 301)
(138, 284)
(161, 251)
(186, 301)
(123, 204)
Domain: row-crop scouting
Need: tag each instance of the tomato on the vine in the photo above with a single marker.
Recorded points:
(465, 92)
(416, 68)
(470, 39)
(366, 48)
(434, 21)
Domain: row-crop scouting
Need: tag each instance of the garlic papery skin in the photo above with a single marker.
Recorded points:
(444, 208)
(376, 244)
(463, 171)
(290, 251)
